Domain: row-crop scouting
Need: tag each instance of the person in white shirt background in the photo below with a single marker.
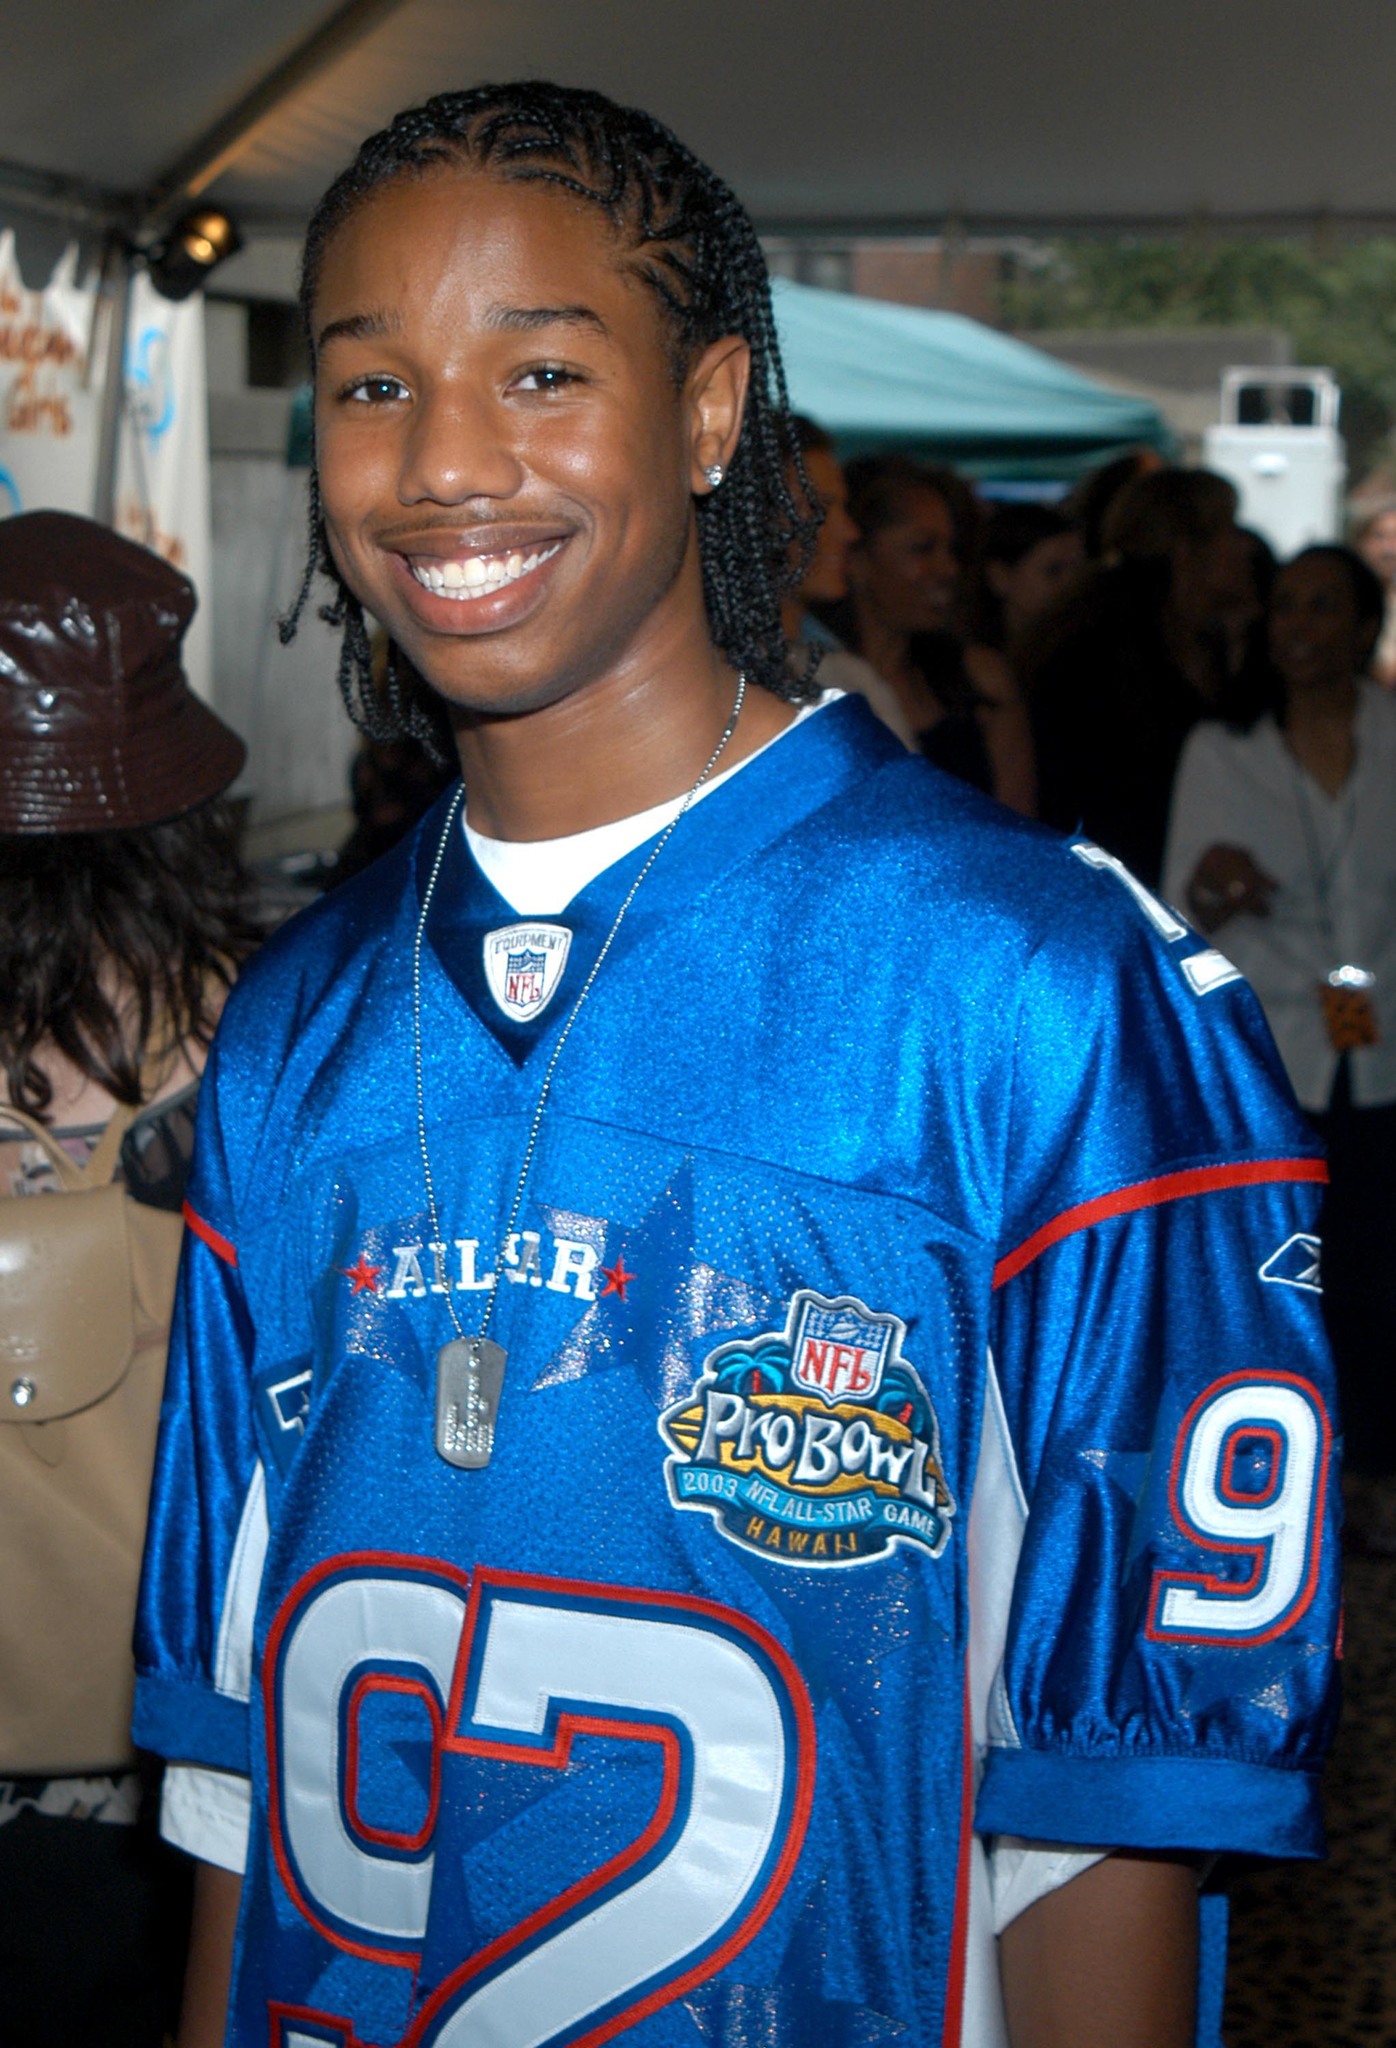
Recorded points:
(1282, 841)
(1374, 537)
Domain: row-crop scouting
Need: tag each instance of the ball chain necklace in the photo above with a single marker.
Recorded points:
(470, 1370)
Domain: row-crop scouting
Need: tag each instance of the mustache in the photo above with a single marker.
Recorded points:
(488, 535)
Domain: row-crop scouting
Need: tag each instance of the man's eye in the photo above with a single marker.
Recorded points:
(375, 390)
(545, 377)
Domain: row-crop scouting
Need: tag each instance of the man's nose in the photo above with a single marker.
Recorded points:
(459, 447)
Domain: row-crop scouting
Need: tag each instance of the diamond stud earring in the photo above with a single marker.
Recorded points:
(714, 474)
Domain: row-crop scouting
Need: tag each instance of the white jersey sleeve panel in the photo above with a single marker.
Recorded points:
(1006, 1875)
(203, 1811)
(997, 1518)
(232, 1671)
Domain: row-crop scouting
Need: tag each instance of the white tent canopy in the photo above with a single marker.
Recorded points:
(904, 113)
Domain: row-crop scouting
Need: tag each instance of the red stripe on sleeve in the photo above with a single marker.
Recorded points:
(216, 1242)
(1150, 1194)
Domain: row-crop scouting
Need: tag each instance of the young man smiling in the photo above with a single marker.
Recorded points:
(728, 1340)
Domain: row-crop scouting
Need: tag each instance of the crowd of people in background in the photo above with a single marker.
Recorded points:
(1135, 666)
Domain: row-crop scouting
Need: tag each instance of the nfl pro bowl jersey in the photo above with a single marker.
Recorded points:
(916, 1421)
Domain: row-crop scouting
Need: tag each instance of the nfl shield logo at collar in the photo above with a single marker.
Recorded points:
(523, 966)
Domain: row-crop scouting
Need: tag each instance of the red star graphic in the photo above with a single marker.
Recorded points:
(364, 1276)
(617, 1279)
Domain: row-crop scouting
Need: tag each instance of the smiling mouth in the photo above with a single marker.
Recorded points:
(479, 575)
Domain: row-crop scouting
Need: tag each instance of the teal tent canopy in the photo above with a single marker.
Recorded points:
(881, 377)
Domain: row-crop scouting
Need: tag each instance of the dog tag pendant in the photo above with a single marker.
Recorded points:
(469, 1379)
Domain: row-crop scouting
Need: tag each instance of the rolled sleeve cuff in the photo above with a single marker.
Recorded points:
(208, 1814)
(1206, 1803)
(186, 1722)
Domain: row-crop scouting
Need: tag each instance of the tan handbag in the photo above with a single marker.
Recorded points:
(86, 1288)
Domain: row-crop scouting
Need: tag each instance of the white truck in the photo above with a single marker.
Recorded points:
(1278, 442)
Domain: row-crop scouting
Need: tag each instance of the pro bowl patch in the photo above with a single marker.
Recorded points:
(816, 1445)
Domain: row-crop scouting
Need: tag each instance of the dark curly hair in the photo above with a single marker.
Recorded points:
(113, 945)
(691, 241)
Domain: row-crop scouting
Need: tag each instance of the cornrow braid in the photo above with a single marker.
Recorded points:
(398, 710)
(691, 241)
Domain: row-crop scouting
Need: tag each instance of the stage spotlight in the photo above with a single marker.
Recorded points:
(192, 251)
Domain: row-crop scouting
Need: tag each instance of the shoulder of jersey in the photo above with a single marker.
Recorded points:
(318, 943)
(916, 842)
(300, 995)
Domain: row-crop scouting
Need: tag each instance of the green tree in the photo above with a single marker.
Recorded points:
(1337, 305)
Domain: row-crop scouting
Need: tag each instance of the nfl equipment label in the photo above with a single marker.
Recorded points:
(523, 966)
(816, 1445)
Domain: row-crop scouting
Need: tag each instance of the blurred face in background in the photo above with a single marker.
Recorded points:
(1035, 584)
(1318, 638)
(826, 578)
(1212, 577)
(907, 573)
(1377, 546)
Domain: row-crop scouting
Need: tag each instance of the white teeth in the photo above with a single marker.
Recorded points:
(477, 575)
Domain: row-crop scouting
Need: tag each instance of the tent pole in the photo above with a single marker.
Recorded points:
(193, 171)
(117, 283)
(51, 194)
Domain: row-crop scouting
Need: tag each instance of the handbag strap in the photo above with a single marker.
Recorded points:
(102, 1164)
(107, 1150)
(100, 1167)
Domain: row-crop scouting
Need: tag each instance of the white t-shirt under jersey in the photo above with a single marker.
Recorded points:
(540, 877)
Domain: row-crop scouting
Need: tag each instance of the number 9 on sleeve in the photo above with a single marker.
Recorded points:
(1248, 1484)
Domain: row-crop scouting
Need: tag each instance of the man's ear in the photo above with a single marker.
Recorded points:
(717, 387)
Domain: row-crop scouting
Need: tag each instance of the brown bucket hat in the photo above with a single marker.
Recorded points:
(99, 731)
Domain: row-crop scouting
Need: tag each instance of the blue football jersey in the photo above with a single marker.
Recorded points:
(916, 1427)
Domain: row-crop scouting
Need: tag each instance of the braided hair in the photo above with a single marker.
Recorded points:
(687, 236)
